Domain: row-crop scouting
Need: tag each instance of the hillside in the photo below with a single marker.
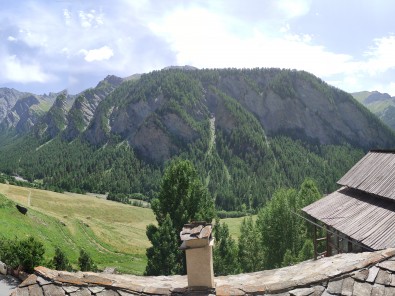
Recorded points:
(112, 233)
(381, 104)
(247, 131)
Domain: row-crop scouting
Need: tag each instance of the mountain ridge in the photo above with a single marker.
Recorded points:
(248, 132)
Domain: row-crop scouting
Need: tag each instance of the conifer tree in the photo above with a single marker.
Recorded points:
(182, 198)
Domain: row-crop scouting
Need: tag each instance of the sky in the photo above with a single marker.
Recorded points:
(52, 45)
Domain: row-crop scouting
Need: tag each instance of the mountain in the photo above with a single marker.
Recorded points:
(248, 132)
(20, 111)
(381, 104)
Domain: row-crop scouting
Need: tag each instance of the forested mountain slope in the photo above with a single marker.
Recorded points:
(247, 131)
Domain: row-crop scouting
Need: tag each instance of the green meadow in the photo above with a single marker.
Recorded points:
(112, 233)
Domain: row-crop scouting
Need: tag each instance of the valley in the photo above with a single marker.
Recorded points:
(111, 232)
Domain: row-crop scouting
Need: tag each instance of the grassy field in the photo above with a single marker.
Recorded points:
(111, 232)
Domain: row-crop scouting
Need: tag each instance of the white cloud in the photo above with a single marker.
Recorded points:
(15, 70)
(67, 16)
(12, 39)
(293, 8)
(381, 56)
(99, 54)
(90, 19)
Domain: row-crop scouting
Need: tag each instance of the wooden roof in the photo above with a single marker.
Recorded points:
(374, 173)
(370, 221)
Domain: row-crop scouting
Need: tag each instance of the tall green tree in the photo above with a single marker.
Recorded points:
(85, 262)
(285, 237)
(250, 251)
(163, 255)
(60, 260)
(225, 251)
(182, 198)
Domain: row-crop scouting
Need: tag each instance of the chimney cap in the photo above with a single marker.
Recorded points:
(196, 230)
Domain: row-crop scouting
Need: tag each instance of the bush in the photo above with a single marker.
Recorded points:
(22, 254)
(60, 261)
(85, 262)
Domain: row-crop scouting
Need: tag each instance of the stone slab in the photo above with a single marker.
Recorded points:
(348, 286)
(81, 292)
(378, 290)
(53, 290)
(373, 271)
(35, 290)
(335, 287)
(31, 280)
(228, 291)
(302, 292)
(362, 289)
(383, 278)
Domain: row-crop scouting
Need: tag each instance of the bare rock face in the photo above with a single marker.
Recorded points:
(22, 117)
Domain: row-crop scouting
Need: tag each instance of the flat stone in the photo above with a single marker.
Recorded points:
(318, 290)
(388, 265)
(129, 286)
(70, 289)
(389, 291)
(373, 271)
(35, 290)
(378, 290)
(70, 279)
(22, 291)
(42, 281)
(389, 253)
(362, 289)
(96, 289)
(302, 292)
(335, 287)
(361, 275)
(31, 280)
(53, 290)
(348, 286)
(46, 272)
(179, 290)
(392, 280)
(383, 278)
(157, 291)
(228, 290)
(123, 293)
(107, 293)
(251, 289)
(81, 292)
(97, 280)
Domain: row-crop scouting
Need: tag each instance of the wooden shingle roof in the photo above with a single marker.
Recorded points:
(370, 221)
(374, 173)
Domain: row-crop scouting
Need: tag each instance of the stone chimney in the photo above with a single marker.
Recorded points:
(198, 245)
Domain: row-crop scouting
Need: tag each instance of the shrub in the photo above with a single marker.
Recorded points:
(85, 262)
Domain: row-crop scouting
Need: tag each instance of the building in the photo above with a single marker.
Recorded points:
(360, 216)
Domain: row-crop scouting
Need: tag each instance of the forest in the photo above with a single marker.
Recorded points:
(234, 125)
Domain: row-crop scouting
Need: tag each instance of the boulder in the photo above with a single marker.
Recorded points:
(3, 268)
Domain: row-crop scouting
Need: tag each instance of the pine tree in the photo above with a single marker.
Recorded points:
(182, 198)
(225, 251)
(164, 252)
(85, 262)
(60, 260)
(250, 251)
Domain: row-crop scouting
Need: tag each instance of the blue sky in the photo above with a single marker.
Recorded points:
(51, 45)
